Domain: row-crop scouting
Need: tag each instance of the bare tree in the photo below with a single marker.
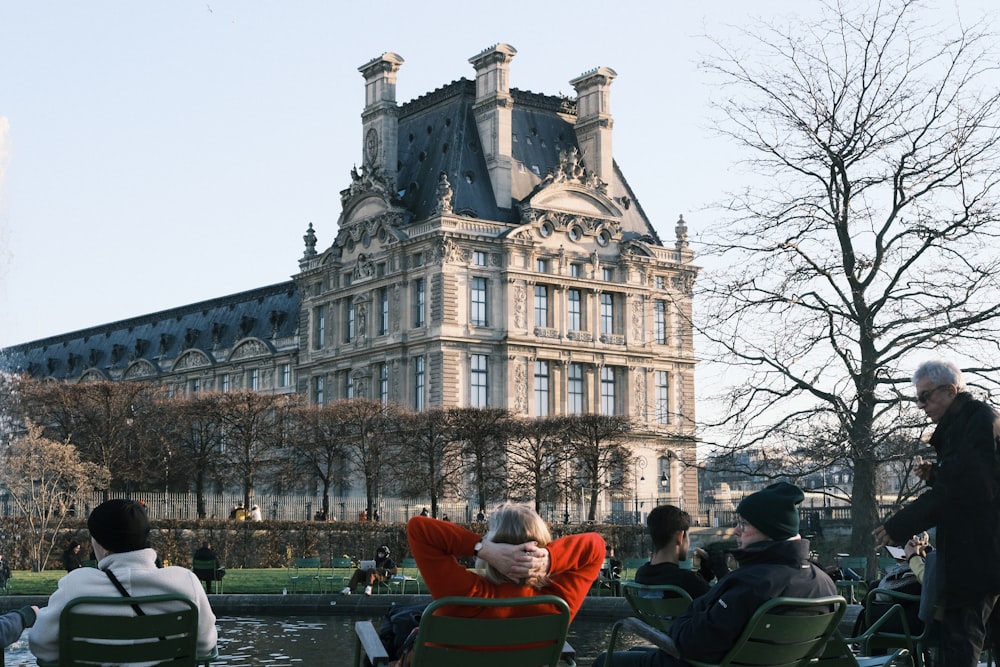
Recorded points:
(44, 479)
(535, 459)
(317, 441)
(195, 430)
(254, 436)
(865, 239)
(105, 420)
(429, 460)
(484, 433)
(597, 445)
(372, 429)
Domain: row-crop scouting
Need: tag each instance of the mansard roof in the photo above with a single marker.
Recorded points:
(210, 329)
(438, 133)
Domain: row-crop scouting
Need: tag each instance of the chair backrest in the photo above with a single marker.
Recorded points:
(341, 561)
(408, 564)
(87, 638)
(311, 562)
(656, 605)
(786, 632)
(486, 641)
(197, 564)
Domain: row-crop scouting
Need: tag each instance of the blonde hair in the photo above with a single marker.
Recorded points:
(515, 523)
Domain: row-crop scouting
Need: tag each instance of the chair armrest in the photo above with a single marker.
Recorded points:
(370, 643)
(661, 640)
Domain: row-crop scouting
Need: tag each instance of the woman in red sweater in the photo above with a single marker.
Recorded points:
(516, 558)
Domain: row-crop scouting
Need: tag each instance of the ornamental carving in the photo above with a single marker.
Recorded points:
(250, 348)
(192, 359)
(580, 336)
(521, 388)
(520, 299)
(370, 180)
(683, 282)
(138, 370)
(637, 308)
(546, 332)
(613, 339)
(571, 170)
(640, 393)
(364, 269)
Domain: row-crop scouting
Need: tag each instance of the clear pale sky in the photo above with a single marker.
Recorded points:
(156, 154)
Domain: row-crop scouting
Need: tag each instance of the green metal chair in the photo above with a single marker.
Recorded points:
(458, 641)
(783, 632)
(302, 571)
(656, 606)
(892, 628)
(335, 581)
(401, 580)
(90, 635)
(208, 566)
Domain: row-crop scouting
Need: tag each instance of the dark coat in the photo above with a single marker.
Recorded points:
(713, 622)
(663, 574)
(963, 501)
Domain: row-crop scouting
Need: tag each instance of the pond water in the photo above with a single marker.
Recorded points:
(313, 640)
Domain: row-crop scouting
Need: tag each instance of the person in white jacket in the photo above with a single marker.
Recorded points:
(119, 534)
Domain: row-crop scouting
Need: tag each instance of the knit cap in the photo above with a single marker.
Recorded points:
(120, 525)
(774, 510)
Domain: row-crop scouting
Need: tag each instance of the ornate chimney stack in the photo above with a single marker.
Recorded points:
(493, 116)
(593, 120)
(380, 120)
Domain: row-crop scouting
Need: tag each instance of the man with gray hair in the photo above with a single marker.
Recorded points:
(963, 502)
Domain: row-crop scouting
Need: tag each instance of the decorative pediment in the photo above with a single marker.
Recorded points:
(251, 347)
(192, 359)
(139, 370)
(93, 375)
(571, 188)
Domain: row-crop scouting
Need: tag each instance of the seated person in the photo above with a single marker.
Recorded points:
(905, 577)
(516, 558)
(4, 572)
(71, 557)
(668, 527)
(205, 552)
(119, 534)
(384, 567)
(773, 562)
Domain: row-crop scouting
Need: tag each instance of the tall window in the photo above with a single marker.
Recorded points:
(419, 302)
(224, 382)
(574, 390)
(541, 306)
(419, 383)
(660, 322)
(253, 379)
(607, 390)
(383, 311)
(319, 324)
(383, 382)
(348, 385)
(350, 331)
(479, 258)
(541, 388)
(478, 306)
(662, 397)
(286, 375)
(607, 313)
(609, 274)
(574, 310)
(319, 390)
(542, 265)
(478, 371)
(575, 271)
(195, 385)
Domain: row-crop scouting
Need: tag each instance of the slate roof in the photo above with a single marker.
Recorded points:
(213, 326)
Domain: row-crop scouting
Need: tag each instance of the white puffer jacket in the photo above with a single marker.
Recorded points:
(137, 572)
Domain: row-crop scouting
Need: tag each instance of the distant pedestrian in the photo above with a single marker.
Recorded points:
(423, 512)
(71, 557)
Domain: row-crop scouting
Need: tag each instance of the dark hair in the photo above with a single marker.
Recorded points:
(665, 521)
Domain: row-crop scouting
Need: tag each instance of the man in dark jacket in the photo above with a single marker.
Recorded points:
(668, 527)
(773, 562)
(963, 501)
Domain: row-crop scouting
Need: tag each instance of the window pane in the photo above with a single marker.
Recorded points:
(541, 388)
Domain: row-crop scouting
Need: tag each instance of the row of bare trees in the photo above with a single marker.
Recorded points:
(138, 439)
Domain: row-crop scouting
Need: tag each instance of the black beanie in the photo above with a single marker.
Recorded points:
(120, 525)
(774, 510)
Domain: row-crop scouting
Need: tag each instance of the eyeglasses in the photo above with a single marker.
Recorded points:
(926, 394)
(739, 525)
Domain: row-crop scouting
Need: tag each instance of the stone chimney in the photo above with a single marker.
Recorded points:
(380, 120)
(593, 120)
(493, 116)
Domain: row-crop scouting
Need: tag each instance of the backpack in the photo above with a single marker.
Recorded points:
(397, 625)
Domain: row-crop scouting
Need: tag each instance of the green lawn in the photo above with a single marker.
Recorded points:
(270, 580)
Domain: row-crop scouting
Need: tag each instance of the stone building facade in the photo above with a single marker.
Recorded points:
(489, 252)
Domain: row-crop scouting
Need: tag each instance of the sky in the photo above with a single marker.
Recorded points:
(158, 154)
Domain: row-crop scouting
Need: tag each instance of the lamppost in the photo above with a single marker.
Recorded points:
(640, 465)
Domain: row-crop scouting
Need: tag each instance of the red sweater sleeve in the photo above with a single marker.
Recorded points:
(574, 563)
